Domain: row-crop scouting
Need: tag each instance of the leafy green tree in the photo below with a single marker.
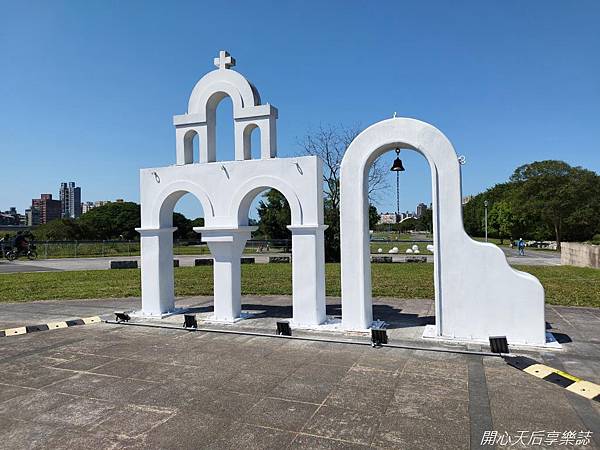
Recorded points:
(331, 216)
(373, 217)
(501, 219)
(184, 227)
(62, 230)
(198, 222)
(112, 221)
(425, 222)
(542, 200)
(407, 225)
(474, 210)
(565, 198)
(274, 216)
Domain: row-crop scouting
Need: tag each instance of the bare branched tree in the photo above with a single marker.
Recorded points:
(330, 143)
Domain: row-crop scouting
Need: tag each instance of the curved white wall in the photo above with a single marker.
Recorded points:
(477, 293)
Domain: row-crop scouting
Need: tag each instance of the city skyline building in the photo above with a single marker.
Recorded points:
(11, 217)
(70, 199)
(43, 210)
(86, 206)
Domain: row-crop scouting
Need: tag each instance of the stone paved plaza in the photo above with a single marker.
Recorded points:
(119, 386)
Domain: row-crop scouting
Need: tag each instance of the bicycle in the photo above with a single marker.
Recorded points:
(13, 254)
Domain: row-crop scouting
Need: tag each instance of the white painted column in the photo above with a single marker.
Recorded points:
(158, 296)
(226, 246)
(357, 307)
(308, 274)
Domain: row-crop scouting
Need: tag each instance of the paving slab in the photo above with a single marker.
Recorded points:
(121, 386)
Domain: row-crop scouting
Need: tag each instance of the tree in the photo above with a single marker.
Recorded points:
(474, 210)
(425, 222)
(565, 198)
(373, 217)
(330, 143)
(501, 218)
(542, 200)
(61, 230)
(197, 222)
(184, 227)
(274, 216)
(112, 221)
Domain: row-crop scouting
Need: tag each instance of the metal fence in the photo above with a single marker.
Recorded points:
(88, 249)
(85, 249)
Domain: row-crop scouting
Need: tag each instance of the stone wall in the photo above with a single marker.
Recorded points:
(582, 255)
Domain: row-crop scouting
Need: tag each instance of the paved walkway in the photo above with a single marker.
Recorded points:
(535, 258)
(120, 386)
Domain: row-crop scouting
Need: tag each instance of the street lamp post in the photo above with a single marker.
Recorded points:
(485, 205)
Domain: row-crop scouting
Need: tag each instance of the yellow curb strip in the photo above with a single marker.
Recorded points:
(55, 325)
(585, 389)
(89, 320)
(15, 331)
(539, 370)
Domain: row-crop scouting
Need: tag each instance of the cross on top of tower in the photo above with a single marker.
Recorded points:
(224, 61)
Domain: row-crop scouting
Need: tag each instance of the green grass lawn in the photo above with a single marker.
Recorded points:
(564, 285)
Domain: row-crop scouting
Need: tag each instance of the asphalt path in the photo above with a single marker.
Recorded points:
(532, 257)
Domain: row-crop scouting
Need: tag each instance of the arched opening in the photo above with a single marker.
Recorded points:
(401, 238)
(185, 211)
(252, 146)
(219, 117)
(191, 145)
(268, 209)
(188, 214)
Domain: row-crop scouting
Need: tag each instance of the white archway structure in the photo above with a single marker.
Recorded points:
(226, 191)
(477, 294)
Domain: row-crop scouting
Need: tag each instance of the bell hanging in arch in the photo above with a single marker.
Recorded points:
(397, 166)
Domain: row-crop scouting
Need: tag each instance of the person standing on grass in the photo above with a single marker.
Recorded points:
(521, 246)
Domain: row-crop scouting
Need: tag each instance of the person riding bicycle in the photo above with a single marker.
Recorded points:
(5, 244)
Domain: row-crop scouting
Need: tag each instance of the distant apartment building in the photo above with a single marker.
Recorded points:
(29, 217)
(86, 207)
(70, 199)
(43, 210)
(387, 218)
(10, 217)
(421, 209)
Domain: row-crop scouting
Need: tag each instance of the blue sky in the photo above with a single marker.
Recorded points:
(88, 89)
